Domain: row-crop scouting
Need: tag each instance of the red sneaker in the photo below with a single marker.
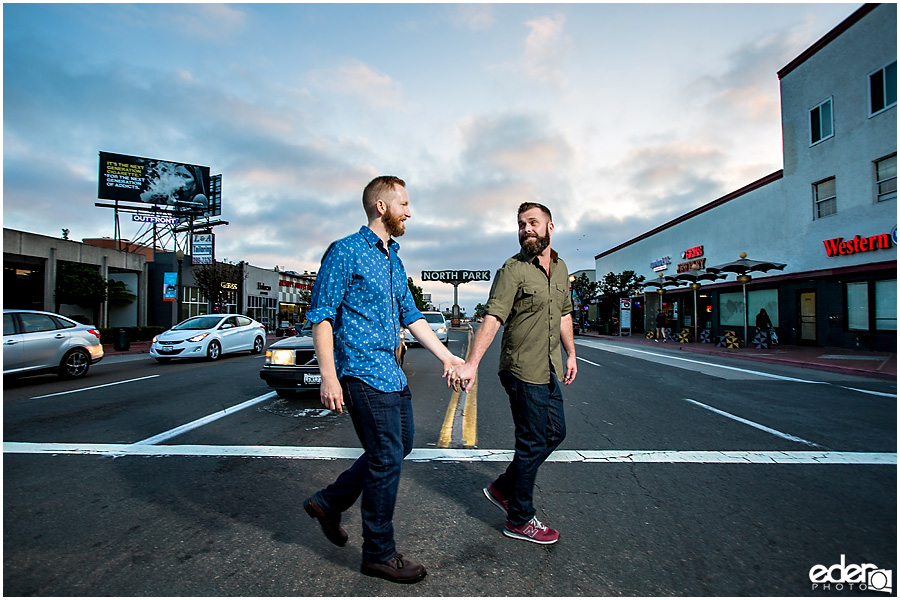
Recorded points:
(532, 531)
(496, 498)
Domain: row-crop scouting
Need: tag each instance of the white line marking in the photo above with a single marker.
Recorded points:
(756, 425)
(621, 350)
(466, 455)
(93, 387)
(870, 392)
(203, 421)
(587, 361)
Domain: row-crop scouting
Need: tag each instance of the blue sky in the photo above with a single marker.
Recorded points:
(619, 117)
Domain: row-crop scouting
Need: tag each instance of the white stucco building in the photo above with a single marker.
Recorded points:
(830, 214)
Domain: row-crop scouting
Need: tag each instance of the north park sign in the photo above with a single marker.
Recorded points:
(456, 277)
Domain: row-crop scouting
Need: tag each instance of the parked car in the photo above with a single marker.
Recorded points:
(209, 336)
(438, 325)
(291, 365)
(37, 342)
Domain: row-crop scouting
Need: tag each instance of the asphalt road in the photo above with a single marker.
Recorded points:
(679, 476)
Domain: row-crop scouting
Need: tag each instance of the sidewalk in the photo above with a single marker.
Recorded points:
(882, 365)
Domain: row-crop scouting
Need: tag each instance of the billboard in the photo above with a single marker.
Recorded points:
(157, 182)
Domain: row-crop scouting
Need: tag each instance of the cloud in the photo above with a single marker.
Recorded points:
(211, 22)
(357, 79)
(545, 46)
(516, 145)
(744, 89)
(475, 17)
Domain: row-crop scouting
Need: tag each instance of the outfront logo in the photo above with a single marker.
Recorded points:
(862, 577)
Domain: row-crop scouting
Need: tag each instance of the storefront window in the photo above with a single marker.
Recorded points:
(767, 299)
(886, 305)
(858, 306)
(193, 303)
(731, 309)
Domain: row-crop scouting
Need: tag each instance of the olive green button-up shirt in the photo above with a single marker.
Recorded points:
(531, 303)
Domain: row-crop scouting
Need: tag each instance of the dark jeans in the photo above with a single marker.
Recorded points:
(384, 424)
(540, 422)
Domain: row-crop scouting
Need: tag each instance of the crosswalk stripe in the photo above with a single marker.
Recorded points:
(769, 457)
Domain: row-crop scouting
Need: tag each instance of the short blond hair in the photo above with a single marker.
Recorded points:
(376, 189)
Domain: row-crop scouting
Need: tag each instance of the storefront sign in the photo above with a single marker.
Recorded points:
(662, 264)
(692, 265)
(226, 285)
(202, 249)
(299, 285)
(695, 252)
(624, 314)
(839, 246)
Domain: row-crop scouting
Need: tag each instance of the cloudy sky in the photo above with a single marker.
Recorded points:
(619, 117)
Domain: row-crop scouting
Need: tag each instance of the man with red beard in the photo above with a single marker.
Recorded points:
(360, 303)
(530, 298)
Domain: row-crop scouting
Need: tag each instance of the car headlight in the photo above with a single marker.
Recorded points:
(153, 341)
(280, 358)
(440, 330)
(198, 338)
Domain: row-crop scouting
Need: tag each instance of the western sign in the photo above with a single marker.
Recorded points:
(837, 246)
(456, 277)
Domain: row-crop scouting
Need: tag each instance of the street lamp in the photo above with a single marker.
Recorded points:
(180, 256)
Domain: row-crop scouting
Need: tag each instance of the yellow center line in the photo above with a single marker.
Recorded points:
(470, 412)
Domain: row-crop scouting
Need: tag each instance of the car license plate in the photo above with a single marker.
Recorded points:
(312, 379)
(166, 349)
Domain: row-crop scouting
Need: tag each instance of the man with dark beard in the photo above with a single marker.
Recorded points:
(360, 303)
(530, 298)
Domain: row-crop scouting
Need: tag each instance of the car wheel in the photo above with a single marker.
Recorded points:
(74, 364)
(214, 350)
(162, 360)
(258, 344)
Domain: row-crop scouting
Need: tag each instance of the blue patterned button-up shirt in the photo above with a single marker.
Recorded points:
(362, 289)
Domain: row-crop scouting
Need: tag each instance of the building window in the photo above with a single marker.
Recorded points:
(193, 303)
(886, 305)
(825, 196)
(821, 124)
(883, 89)
(863, 295)
(886, 178)
(858, 306)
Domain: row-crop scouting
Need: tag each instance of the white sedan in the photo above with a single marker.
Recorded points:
(437, 323)
(209, 336)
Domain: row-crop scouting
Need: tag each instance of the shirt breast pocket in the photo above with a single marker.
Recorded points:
(530, 299)
(559, 295)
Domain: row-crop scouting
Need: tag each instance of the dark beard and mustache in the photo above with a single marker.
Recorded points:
(393, 224)
(535, 244)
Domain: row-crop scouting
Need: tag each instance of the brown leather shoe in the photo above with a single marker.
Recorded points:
(396, 570)
(330, 522)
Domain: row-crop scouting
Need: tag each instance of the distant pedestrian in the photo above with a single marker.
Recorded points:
(662, 322)
(763, 322)
(360, 303)
(764, 325)
(528, 298)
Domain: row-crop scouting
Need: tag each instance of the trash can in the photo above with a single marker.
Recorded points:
(121, 342)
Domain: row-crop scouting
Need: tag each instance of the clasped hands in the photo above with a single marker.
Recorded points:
(459, 374)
